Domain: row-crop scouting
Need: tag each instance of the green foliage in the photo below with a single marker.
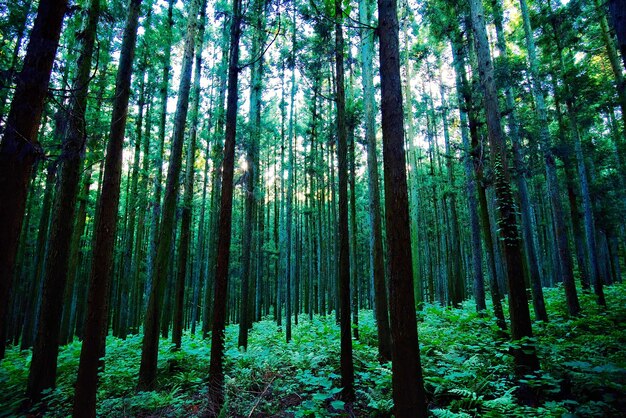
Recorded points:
(468, 371)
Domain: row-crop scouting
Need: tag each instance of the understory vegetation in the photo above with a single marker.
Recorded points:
(468, 371)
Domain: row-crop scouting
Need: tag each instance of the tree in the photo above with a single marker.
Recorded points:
(216, 367)
(150, 344)
(617, 10)
(347, 367)
(20, 148)
(407, 383)
(44, 361)
(526, 360)
(96, 322)
(376, 236)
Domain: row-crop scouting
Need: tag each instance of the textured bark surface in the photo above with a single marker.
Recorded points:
(216, 366)
(96, 321)
(43, 365)
(376, 236)
(525, 357)
(407, 382)
(150, 344)
(19, 148)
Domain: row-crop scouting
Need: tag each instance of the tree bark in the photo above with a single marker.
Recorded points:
(43, 365)
(376, 236)
(150, 344)
(19, 148)
(95, 329)
(525, 357)
(407, 381)
(216, 367)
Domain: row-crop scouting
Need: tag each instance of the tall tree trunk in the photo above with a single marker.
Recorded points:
(19, 148)
(376, 236)
(150, 344)
(185, 227)
(472, 204)
(43, 365)
(158, 162)
(95, 329)
(252, 176)
(407, 382)
(216, 366)
(525, 357)
(518, 163)
(347, 367)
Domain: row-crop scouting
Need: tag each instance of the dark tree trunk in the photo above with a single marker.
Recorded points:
(44, 361)
(407, 382)
(347, 367)
(216, 367)
(150, 344)
(95, 329)
(617, 10)
(20, 148)
(252, 175)
(186, 233)
(526, 360)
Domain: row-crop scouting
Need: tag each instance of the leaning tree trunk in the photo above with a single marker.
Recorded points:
(46, 349)
(407, 383)
(95, 329)
(525, 357)
(150, 344)
(20, 148)
(552, 182)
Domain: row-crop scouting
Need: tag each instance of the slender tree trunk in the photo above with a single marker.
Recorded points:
(252, 175)
(565, 257)
(95, 329)
(185, 234)
(518, 163)
(525, 357)
(477, 263)
(347, 367)
(216, 367)
(158, 162)
(376, 237)
(150, 344)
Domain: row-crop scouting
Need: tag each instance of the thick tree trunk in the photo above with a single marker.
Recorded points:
(19, 148)
(95, 329)
(407, 381)
(44, 361)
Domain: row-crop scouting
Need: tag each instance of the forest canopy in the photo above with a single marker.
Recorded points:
(253, 208)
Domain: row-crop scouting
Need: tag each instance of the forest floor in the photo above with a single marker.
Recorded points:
(467, 369)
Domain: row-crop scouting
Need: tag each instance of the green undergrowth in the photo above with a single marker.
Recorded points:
(467, 369)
